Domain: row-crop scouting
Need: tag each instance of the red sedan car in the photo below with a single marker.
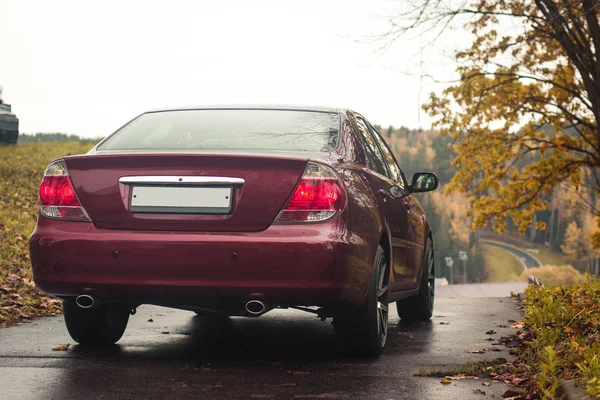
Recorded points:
(236, 211)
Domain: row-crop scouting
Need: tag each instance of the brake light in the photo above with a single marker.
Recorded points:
(319, 196)
(57, 196)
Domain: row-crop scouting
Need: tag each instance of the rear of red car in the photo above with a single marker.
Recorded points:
(205, 210)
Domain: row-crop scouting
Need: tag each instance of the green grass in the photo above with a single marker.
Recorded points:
(501, 266)
(481, 369)
(549, 257)
(561, 340)
(21, 170)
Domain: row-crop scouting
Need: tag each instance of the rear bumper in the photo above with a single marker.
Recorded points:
(318, 264)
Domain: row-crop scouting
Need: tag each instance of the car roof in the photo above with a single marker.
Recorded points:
(253, 107)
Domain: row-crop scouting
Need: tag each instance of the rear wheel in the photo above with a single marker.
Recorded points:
(365, 328)
(100, 326)
(420, 307)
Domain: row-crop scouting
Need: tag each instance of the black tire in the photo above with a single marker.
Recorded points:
(420, 307)
(100, 326)
(365, 329)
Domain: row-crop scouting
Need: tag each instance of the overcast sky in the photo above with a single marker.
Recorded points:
(87, 67)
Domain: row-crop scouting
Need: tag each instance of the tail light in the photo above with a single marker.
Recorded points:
(57, 196)
(318, 196)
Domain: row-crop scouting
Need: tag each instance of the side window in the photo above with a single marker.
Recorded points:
(395, 172)
(371, 150)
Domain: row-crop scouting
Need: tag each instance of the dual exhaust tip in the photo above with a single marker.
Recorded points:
(254, 308)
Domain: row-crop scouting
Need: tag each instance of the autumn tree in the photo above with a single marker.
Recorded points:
(574, 248)
(525, 112)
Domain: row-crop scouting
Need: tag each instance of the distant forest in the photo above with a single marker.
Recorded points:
(54, 137)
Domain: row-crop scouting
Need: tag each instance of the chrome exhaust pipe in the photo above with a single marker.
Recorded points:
(86, 301)
(255, 308)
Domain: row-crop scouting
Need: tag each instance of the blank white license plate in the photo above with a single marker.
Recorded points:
(184, 200)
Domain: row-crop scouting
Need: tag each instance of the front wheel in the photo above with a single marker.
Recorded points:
(100, 326)
(420, 307)
(365, 328)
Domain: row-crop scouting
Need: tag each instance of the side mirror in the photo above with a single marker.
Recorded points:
(424, 182)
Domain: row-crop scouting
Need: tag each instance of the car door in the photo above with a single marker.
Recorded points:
(395, 213)
(416, 234)
(414, 226)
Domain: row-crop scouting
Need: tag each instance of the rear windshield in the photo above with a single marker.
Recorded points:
(229, 129)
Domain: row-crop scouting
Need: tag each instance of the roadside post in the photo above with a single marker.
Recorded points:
(450, 264)
(462, 255)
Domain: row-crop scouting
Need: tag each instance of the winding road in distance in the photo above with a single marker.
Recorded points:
(527, 259)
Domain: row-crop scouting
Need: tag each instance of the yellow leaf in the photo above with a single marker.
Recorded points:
(445, 381)
(64, 347)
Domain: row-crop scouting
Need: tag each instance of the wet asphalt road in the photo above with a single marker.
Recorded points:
(283, 354)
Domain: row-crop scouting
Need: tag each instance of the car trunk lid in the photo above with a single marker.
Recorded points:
(184, 192)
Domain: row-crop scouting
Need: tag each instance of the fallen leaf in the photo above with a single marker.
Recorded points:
(474, 351)
(491, 332)
(299, 372)
(478, 391)
(486, 384)
(165, 332)
(514, 393)
(517, 325)
(445, 381)
(459, 377)
(568, 330)
(444, 323)
(150, 320)
(64, 347)
(514, 294)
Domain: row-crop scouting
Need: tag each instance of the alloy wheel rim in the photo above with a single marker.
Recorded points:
(382, 301)
(431, 276)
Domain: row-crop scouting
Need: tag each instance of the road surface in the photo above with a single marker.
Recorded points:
(171, 354)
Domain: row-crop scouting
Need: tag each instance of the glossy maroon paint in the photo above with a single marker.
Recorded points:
(269, 180)
(218, 261)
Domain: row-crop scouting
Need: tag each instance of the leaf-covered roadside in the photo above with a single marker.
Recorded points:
(20, 300)
(21, 170)
(561, 339)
